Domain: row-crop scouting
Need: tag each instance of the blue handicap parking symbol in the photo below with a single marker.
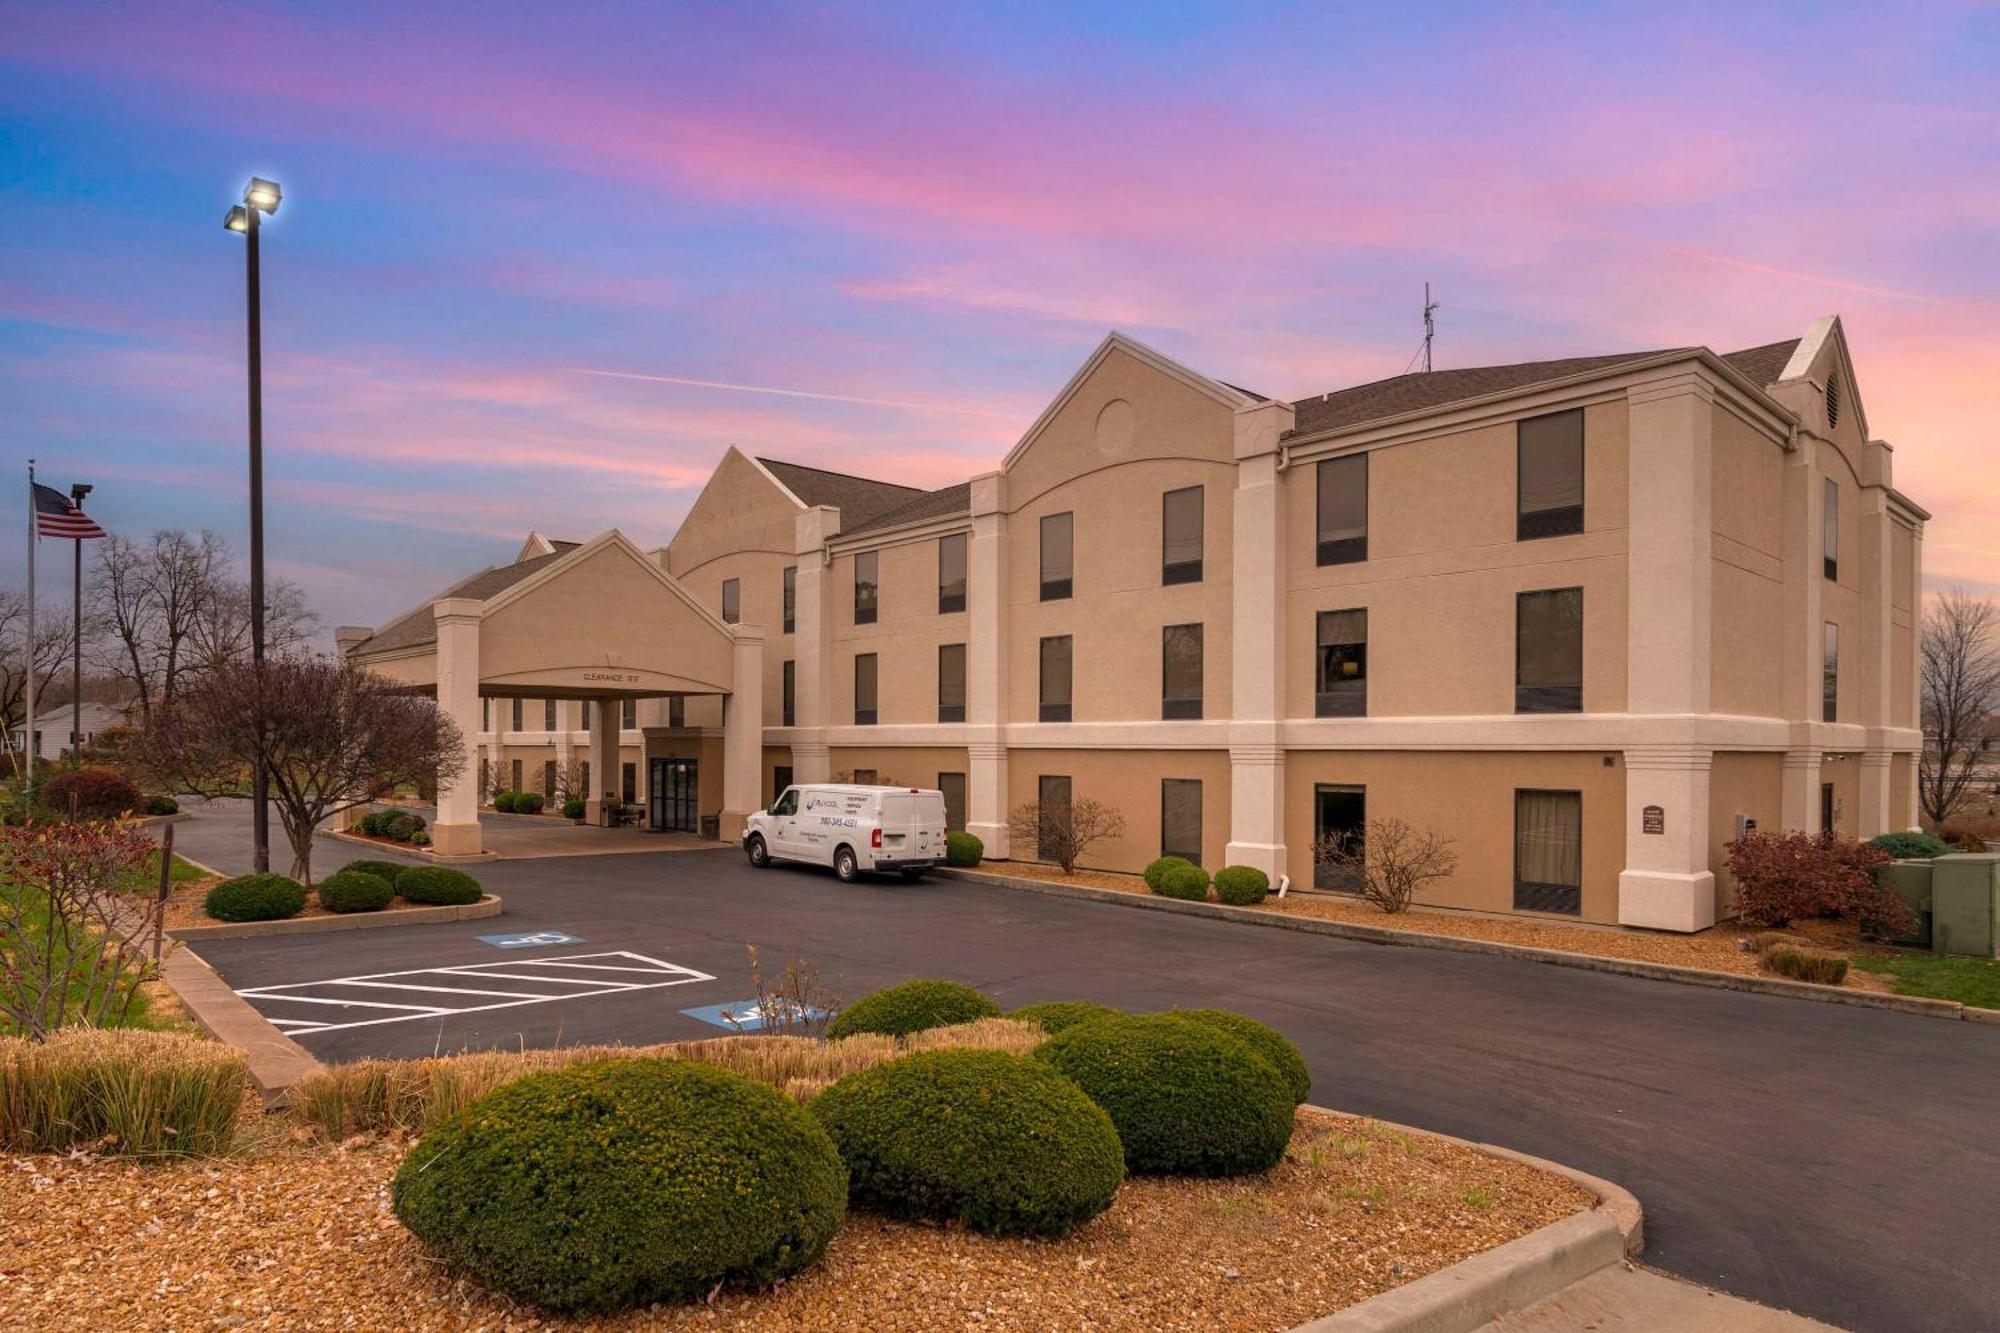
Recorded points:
(531, 939)
(744, 1015)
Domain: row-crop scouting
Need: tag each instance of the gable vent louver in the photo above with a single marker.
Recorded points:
(1832, 401)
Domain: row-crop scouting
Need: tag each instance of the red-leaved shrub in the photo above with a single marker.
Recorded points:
(100, 793)
(1785, 877)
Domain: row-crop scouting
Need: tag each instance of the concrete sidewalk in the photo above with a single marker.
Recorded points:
(1627, 1299)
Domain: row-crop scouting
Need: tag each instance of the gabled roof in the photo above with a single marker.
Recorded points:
(859, 499)
(418, 626)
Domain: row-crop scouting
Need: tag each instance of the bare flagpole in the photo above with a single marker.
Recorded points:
(28, 734)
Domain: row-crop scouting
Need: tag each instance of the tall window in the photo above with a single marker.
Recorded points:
(1549, 475)
(864, 689)
(1548, 851)
(951, 573)
(628, 713)
(1053, 794)
(486, 715)
(1056, 679)
(781, 778)
(588, 704)
(732, 601)
(628, 783)
(517, 718)
(791, 607)
(677, 710)
(1180, 536)
(1058, 555)
(951, 682)
(548, 715)
(514, 776)
(1829, 529)
(866, 589)
(953, 787)
(1341, 685)
(1829, 677)
(1180, 671)
(485, 777)
(1343, 509)
(583, 776)
(1548, 651)
(1340, 831)
(1180, 818)
(548, 779)
(788, 685)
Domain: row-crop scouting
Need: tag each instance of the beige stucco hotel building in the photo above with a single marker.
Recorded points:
(1585, 617)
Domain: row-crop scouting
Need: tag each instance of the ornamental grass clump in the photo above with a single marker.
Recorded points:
(996, 1141)
(133, 1093)
(625, 1183)
(912, 1006)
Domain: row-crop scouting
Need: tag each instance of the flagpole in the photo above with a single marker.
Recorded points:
(28, 734)
(76, 664)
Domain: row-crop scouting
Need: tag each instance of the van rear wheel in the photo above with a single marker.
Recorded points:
(759, 854)
(845, 866)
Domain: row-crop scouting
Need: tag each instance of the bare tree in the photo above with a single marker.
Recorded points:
(75, 946)
(1064, 832)
(46, 658)
(1960, 695)
(221, 632)
(1390, 863)
(125, 617)
(333, 737)
(570, 785)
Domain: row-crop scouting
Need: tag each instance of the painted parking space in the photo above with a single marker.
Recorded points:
(334, 1004)
(749, 1015)
(530, 939)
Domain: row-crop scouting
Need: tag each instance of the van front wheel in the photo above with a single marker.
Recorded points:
(845, 866)
(760, 855)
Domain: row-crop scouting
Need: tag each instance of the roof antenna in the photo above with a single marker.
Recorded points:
(1430, 326)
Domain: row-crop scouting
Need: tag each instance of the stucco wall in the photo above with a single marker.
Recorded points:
(1129, 781)
(1740, 783)
(905, 637)
(1748, 583)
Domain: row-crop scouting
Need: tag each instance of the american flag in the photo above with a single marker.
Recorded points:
(56, 515)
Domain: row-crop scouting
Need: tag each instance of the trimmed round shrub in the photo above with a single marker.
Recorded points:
(962, 849)
(403, 827)
(1911, 846)
(912, 1006)
(528, 803)
(420, 839)
(255, 898)
(437, 886)
(162, 804)
(997, 1141)
(1187, 1098)
(99, 793)
(385, 870)
(1155, 873)
(1241, 886)
(623, 1183)
(352, 890)
(1185, 880)
(1266, 1041)
(503, 802)
(1053, 1016)
(574, 807)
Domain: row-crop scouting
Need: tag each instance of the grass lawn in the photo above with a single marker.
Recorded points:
(1973, 981)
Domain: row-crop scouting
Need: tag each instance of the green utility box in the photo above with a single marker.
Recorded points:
(1965, 904)
(1910, 881)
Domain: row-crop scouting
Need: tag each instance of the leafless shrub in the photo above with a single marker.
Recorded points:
(1960, 671)
(75, 943)
(795, 1002)
(1064, 832)
(1391, 864)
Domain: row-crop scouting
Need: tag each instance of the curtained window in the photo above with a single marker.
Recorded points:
(1549, 475)
(1180, 818)
(864, 689)
(732, 601)
(1548, 651)
(1055, 683)
(951, 573)
(867, 588)
(1343, 509)
(951, 682)
(1058, 556)
(1548, 851)
(1180, 542)
(1180, 671)
(953, 787)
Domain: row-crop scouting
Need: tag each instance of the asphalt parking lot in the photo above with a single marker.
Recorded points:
(1835, 1161)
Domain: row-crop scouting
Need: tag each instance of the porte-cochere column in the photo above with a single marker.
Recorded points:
(456, 832)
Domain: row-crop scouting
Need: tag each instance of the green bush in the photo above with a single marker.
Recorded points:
(1053, 1016)
(162, 804)
(1911, 846)
(1266, 1041)
(420, 839)
(623, 1183)
(1156, 873)
(962, 849)
(1185, 880)
(255, 898)
(437, 886)
(574, 807)
(352, 890)
(386, 870)
(503, 801)
(99, 793)
(528, 803)
(1187, 1098)
(912, 1006)
(403, 827)
(376, 823)
(997, 1141)
(1242, 886)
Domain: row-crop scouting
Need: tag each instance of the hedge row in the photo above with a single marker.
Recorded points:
(360, 886)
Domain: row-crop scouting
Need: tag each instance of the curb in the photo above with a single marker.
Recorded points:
(276, 1061)
(1525, 1270)
(488, 906)
(405, 849)
(1686, 976)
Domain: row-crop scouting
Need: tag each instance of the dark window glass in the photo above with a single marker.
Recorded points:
(1549, 475)
(951, 682)
(486, 715)
(548, 779)
(1058, 556)
(864, 689)
(517, 715)
(588, 715)
(953, 787)
(628, 783)
(866, 589)
(1343, 510)
(1341, 687)
(515, 775)
(548, 715)
(781, 778)
(732, 601)
(864, 777)
(791, 608)
(1548, 851)
(1180, 542)
(951, 573)
(1548, 651)
(1056, 679)
(628, 712)
(677, 710)
(1829, 680)
(788, 678)
(1829, 529)
(1829, 809)
(485, 777)
(1180, 818)
(583, 776)
(1052, 794)
(1180, 671)
(1340, 830)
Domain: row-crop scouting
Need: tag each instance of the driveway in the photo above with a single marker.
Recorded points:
(1836, 1161)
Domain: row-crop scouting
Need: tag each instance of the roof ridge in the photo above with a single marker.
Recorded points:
(830, 472)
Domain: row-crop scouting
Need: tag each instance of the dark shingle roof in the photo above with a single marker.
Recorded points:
(944, 502)
(858, 499)
(1763, 365)
(418, 626)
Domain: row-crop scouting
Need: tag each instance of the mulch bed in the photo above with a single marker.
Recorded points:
(184, 905)
(293, 1235)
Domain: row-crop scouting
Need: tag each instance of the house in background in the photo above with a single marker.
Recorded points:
(1590, 618)
(52, 728)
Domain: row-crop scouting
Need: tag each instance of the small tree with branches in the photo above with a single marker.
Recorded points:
(1063, 831)
(1390, 864)
(332, 736)
(1960, 667)
(75, 946)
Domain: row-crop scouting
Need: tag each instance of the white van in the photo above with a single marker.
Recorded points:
(851, 828)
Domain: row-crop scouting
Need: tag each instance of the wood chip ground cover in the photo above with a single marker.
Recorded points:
(292, 1235)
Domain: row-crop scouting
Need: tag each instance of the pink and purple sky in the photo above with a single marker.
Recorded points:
(538, 266)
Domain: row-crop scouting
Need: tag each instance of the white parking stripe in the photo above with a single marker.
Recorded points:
(442, 990)
(359, 1004)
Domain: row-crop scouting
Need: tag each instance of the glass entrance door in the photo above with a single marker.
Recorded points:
(671, 796)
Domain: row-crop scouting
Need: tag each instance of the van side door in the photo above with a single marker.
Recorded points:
(785, 823)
